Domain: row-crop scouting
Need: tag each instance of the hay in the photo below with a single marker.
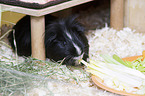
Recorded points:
(17, 79)
(20, 74)
(14, 83)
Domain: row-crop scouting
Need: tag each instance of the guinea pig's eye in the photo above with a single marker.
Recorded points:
(64, 43)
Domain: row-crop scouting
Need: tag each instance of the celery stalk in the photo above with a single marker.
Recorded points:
(126, 75)
(118, 59)
(112, 73)
(109, 59)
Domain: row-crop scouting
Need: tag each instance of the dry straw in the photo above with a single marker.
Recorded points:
(18, 76)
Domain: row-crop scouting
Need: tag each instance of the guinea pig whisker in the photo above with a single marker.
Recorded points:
(70, 60)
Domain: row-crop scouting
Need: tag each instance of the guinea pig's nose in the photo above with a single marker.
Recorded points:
(78, 58)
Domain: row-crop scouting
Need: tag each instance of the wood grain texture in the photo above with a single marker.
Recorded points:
(135, 15)
(116, 15)
(37, 37)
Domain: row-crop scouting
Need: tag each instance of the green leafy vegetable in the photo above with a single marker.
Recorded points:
(138, 64)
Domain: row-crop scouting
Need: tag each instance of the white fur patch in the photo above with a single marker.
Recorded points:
(76, 46)
(68, 35)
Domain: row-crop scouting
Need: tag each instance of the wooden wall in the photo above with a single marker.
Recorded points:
(10, 17)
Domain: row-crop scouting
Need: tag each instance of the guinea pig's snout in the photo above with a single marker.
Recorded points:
(79, 57)
(74, 60)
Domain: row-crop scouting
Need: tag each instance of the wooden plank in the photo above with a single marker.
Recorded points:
(116, 18)
(37, 37)
(41, 12)
(135, 15)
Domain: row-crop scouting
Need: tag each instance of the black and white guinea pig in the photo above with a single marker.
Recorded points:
(64, 38)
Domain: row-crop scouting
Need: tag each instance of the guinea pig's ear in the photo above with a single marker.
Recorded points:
(71, 19)
(73, 23)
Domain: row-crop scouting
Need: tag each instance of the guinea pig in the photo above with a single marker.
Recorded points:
(64, 38)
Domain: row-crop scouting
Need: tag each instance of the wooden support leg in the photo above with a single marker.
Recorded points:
(117, 10)
(37, 37)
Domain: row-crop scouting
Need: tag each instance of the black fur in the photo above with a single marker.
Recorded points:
(57, 43)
